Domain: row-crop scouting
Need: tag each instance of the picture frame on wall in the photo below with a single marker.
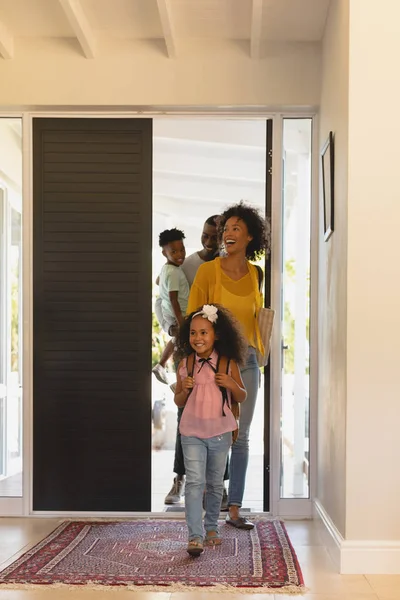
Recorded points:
(328, 187)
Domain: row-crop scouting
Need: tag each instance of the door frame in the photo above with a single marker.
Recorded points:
(9, 505)
(290, 508)
(297, 507)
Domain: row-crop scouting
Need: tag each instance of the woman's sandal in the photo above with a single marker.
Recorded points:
(195, 547)
(213, 538)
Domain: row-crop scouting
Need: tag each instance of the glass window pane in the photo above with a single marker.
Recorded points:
(10, 307)
(295, 402)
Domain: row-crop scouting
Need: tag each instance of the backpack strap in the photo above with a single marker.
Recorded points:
(257, 283)
(223, 363)
(190, 368)
(260, 277)
(217, 290)
(190, 364)
(223, 367)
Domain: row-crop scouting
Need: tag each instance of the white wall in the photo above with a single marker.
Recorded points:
(359, 323)
(331, 487)
(11, 154)
(373, 288)
(49, 72)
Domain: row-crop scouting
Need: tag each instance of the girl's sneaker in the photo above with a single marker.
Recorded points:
(160, 373)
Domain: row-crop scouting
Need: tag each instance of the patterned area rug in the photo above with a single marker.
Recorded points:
(153, 553)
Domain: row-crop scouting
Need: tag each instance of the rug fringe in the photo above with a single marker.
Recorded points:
(174, 517)
(175, 587)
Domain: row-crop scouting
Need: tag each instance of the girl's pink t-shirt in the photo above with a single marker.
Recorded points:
(204, 415)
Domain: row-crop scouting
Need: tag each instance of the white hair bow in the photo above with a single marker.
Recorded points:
(209, 312)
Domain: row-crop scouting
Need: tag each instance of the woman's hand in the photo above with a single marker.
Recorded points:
(187, 384)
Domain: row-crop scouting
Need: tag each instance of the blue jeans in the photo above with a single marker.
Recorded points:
(179, 463)
(240, 449)
(205, 461)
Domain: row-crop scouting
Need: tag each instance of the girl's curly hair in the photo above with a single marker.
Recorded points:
(259, 228)
(230, 340)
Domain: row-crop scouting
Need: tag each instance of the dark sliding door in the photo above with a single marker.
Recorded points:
(92, 314)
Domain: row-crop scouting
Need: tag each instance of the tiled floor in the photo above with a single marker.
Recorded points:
(321, 578)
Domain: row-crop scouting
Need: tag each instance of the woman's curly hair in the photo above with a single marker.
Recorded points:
(259, 228)
(229, 342)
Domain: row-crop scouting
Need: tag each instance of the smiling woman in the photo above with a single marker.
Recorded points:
(232, 281)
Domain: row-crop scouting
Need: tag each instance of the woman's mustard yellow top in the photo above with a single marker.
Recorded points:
(242, 297)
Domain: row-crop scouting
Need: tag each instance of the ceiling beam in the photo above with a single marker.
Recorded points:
(164, 9)
(80, 25)
(256, 28)
(6, 42)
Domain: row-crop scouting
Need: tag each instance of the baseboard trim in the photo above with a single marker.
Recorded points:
(332, 537)
(359, 557)
(11, 507)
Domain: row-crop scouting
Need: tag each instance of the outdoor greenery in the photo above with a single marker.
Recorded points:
(159, 340)
(289, 320)
(15, 320)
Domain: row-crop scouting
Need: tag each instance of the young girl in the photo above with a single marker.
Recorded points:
(209, 337)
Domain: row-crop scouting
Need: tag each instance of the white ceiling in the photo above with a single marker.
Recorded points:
(202, 166)
(91, 21)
